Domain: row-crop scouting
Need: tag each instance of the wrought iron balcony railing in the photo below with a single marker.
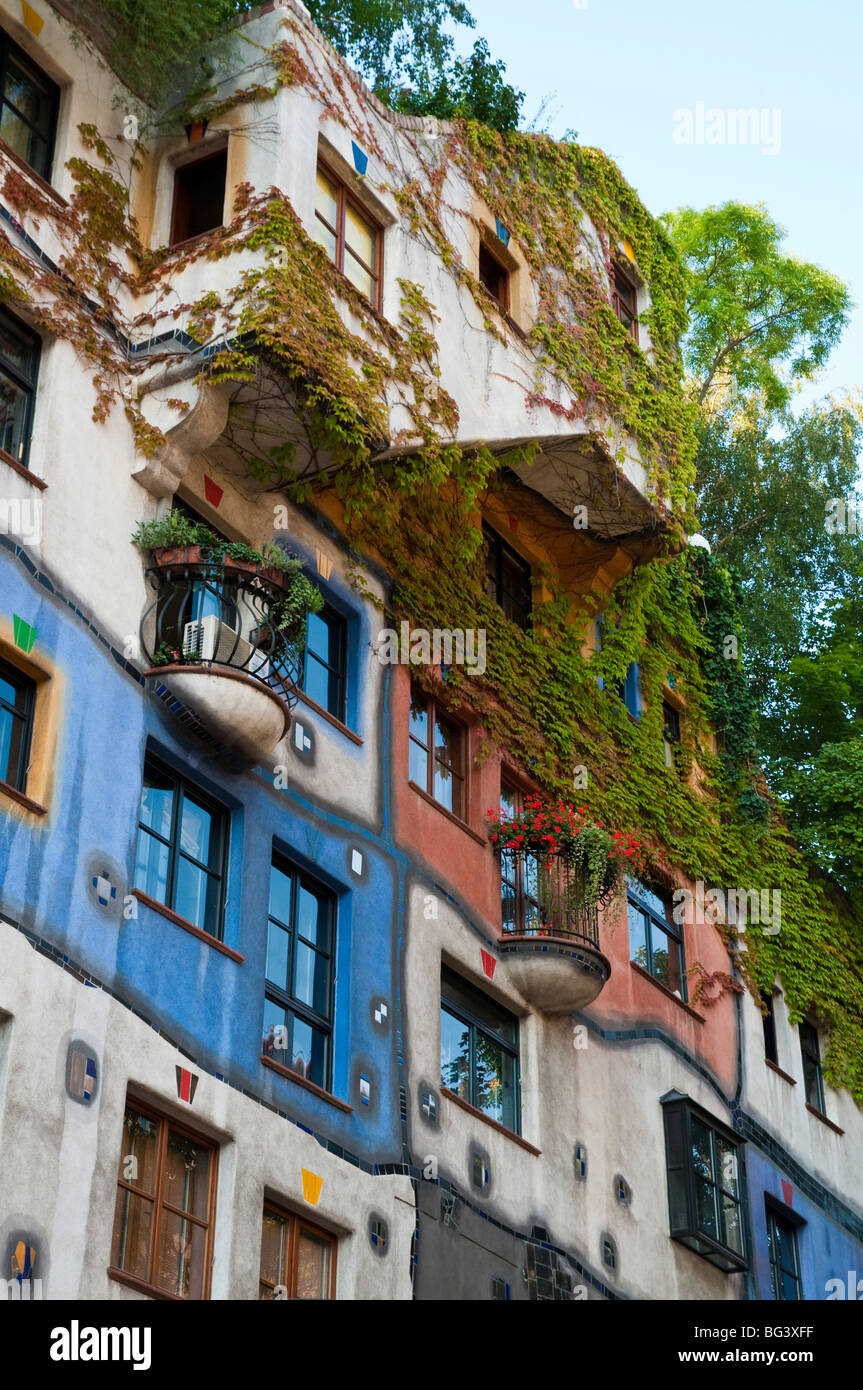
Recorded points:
(544, 895)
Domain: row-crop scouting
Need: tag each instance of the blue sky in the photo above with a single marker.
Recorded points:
(622, 68)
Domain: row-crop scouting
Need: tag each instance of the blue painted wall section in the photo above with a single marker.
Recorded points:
(826, 1251)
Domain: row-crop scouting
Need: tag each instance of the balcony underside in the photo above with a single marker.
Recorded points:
(241, 713)
(556, 974)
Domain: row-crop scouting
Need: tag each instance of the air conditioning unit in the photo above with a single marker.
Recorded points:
(209, 639)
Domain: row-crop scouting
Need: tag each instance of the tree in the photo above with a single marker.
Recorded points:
(471, 89)
(754, 311)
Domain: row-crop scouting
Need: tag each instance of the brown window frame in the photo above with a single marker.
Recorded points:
(460, 780)
(291, 1266)
(502, 296)
(346, 199)
(628, 316)
(166, 1122)
(204, 158)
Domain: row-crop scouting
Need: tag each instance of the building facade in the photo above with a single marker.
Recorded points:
(277, 1019)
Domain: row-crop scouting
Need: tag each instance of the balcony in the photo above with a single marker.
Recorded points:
(550, 934)
(221, 636)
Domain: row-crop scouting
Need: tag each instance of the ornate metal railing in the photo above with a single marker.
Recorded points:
(223, 615)
(544, 895)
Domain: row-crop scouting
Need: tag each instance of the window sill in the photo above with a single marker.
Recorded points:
(669, 994)
(32, 174)
(456, 820)
(819, 1115)
(792, 1080)
(187, 926)
(330, 718)
(22, 471)
(141, 1286)
(6, 789)
(478, 1115)
(307, 1085)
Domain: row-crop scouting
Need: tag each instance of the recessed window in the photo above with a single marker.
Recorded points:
(19, 362)
(655, 941)
(479, 1050)
(163, 1221)
(17, 705)
(609, 1253)
(703, 1184)
(182, 847)
(28, 116)
(624, 298)
(784, 1257)
(813, 1080)
(629, 690)
(199, 196)
(670, 733)
(521, 911)
(768, 1021)
(507, 578)
(351, 239)
(325, 661)
(437, 757)
(493, 276)
(298, 1007)
(298, 1260)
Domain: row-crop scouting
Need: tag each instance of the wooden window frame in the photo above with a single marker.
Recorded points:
(497, 549)
(24, 381)
(203, 158)
(344, 199)
(460, 778)
(627, 316)
(10, 49)
(340, 669)
(280, 996)
(167, 1122)
(474, 1021)
(25, 683)
(292, 1255)
(671, 930)
(216, 808)
(502, 299)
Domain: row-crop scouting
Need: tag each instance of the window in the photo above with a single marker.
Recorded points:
(163, 1221)
(521, 911)
(297, 1259)
(655, 943)
(28, 114)
(19, 361)
(812, 1079)
(768, 1020)
(17, 703)
(299, 974)
(507, 580)
(784, 1258)
(629, 690)
(182, 848)
(493, 276)
(199, 196)
(325, 661)
(348, 235)
(670, 733)
(624, 299)
(703, 1183)
(436, 760)
(479, 1050)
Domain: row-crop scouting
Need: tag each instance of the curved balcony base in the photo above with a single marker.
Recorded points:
(556, 974)
(244, 715)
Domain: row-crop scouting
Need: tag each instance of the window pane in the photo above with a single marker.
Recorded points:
(198, 835)
(732, 1230)
(702, 1165)
(27, 94)
(23, 139)
(12, 732)
(359, 276)
(17, 345)
(326, 199)
(138, 1159)
(325, 238)
(181, 1256)
(419, 720)
(274, 1240)
(157, 802)
(133, 1225)
(313, 918)
(187, 1175)
(309, 1052)
(278, 945)
(311, 979)
(495, 1081)
(196, 896)
(359, 236)
(13, 417)
(313, 1266)
(666, 958)
(481, 1006)
(637, 936)
(280, 894)
(446, 790)
(418, 765)
(455, 1055)
(151, 867)
(274, 1043)
(447, 742)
